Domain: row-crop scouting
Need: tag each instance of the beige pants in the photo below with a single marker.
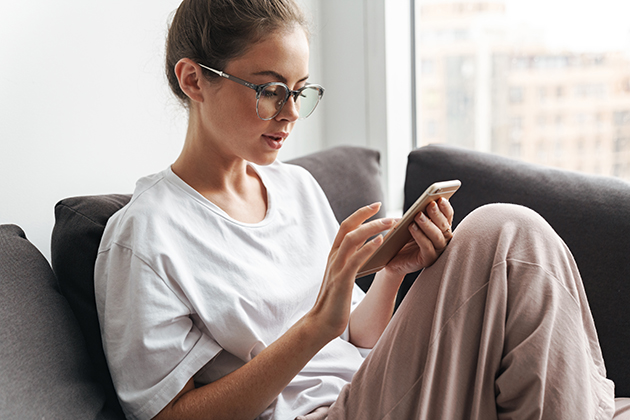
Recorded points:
(498, 328)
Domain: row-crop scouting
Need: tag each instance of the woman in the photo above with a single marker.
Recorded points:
(226, 289)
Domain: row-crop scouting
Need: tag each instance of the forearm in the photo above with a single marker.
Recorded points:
(372, 315)
(246, 392)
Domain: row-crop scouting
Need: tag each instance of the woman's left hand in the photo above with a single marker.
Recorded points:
(430, 236)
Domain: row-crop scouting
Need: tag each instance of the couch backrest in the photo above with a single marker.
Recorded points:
(590, 213)
(349, 176)
(45, 370)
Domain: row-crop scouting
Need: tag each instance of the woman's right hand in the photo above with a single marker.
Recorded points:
(331, 311)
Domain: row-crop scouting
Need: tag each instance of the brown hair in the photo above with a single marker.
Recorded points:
(215, 31)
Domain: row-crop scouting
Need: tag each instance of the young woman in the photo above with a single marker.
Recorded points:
(225, 288)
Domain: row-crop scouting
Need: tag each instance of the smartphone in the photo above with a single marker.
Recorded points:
(399, 235)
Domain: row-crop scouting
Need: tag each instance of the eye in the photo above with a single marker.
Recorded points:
(273, 91)
(268, 93)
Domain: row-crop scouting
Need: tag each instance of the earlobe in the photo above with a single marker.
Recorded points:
(189, 77)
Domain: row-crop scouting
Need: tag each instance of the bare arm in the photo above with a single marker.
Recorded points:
(431, 235)
(246, 392)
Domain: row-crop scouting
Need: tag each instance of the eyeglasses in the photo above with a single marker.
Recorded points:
(271, 97)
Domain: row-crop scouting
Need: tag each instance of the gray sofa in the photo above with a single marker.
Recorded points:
(52, 365)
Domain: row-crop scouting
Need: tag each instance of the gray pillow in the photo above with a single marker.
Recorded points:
(79, 225)
(349, 176)
(590, 213)
(44, 365)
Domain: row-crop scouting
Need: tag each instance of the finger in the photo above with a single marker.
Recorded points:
(355, 220)
(438, 237)
(438, 218)
(348, 263)
(420, 238)
(447, 209)
(448, 212)
(425, 245)
(358, 237)
(362, 255)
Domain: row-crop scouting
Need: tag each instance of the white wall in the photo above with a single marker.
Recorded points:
(85, 108)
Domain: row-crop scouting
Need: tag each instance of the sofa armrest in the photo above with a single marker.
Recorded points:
(590, 213)
(45, 370)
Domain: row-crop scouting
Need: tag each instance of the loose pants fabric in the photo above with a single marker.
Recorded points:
(498, 328)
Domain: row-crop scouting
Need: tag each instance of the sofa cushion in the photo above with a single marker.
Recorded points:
(45, 368)
(590, 213)
(349, 176)
(79, 224)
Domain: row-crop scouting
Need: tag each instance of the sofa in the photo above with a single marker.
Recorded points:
(52, 364)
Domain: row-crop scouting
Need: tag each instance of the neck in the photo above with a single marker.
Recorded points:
(207, 168)
(225, 180)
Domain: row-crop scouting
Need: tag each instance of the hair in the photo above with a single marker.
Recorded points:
(215, 31)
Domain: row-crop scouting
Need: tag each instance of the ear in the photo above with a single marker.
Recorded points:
(190, 78)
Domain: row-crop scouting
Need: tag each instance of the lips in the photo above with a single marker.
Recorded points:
(275, 140)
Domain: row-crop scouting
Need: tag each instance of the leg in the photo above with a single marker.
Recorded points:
(622, 409)
(498, 327)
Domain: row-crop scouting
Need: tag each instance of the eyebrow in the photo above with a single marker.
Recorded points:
(278, 76)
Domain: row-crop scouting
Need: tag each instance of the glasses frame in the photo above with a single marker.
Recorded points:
(260, 88)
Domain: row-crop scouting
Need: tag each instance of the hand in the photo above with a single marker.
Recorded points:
(350, 250)
(430, 236)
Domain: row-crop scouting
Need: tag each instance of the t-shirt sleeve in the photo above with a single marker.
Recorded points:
(151, 341)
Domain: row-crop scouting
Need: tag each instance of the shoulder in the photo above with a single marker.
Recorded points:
(282, 169)
(290, 178)
(153, 206)
(296, 193)
(293, 183)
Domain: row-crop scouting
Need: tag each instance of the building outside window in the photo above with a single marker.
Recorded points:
(499, 82)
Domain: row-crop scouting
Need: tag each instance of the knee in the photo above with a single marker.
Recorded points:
(507, 223)
(495, 217)
(510, 229)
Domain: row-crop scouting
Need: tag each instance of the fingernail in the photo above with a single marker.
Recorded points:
(414, 226)
(374, 205)
(423, 218)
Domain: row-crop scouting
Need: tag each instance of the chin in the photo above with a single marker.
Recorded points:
(265, 160)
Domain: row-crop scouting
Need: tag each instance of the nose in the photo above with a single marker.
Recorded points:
(289, 111)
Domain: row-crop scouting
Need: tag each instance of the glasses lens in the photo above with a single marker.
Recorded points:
(270, 101)
(273, 97)
(307, 100)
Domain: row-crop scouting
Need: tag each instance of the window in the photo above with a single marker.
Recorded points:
(427, 67)
(524, 79)
(621, 118)
(559, 92)
(431, 129)
(515, 95)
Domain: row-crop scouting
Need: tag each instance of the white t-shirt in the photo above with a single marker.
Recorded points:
(184, 290)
